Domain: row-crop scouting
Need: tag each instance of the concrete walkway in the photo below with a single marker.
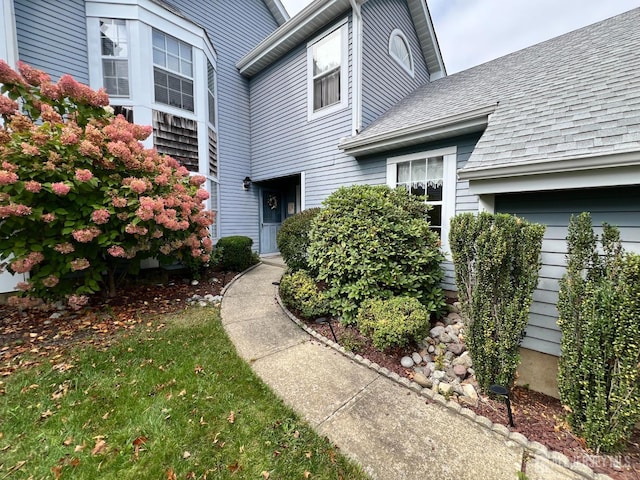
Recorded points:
(394, 430)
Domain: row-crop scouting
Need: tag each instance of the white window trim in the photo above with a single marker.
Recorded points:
(127, 59)
(9, 40)
(398, 33)
(449, 156)
(343, 26)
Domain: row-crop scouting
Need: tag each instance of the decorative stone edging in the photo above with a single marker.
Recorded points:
(531, 447)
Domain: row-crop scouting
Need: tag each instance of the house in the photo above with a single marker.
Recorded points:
(279, 112)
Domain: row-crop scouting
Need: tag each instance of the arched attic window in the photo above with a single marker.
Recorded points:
(400, 51)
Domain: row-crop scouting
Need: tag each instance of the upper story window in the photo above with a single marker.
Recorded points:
(327, 64)
(173, 71)
(114, 45)
(431, 174)
(400, 51)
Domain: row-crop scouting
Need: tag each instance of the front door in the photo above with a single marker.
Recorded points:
(271, 220)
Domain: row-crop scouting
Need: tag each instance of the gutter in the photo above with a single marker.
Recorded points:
(453, 125)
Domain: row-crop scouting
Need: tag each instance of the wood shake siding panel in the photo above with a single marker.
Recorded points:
(52, 36)
(384, 82)
(285, 142)
(617, 206)
(233, 35)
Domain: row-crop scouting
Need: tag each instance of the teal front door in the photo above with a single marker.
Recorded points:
(270, 221)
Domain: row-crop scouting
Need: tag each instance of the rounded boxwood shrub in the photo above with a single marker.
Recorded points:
(235, 253)
(375, 242)
(393, 322)
(293, 239)
(299, 292)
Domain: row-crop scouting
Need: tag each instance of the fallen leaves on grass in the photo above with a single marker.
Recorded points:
(99, 447)
(232, 417)
(137, 444)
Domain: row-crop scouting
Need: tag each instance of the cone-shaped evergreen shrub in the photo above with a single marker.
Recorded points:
(497, 260)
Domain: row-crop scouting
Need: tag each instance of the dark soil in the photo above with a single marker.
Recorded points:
(29, 338)
(538, 417)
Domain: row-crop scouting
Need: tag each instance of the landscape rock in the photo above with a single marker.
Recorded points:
(445, 388)
(435, 332)
(470, 391)
(438, 375)
(463, 359)
(422, 380)
(456, 348)
(407, 362)
(416, 357)
(460, 371)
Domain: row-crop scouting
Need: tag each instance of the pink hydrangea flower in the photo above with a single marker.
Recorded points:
(24, 265)
(51, 281)
(88, 149)
(32, 186)
(116, 251)
(24, 286)
(197, 180)
(202, 195)
(48, 217)
(80, 264)
(7, 177)
(14, 210)
(137, 185)
(60, 188)
(119, 202)
(29, 149)
(83, 175)
(86, 235)
(64, 248)
(100, 216)
(7, 106)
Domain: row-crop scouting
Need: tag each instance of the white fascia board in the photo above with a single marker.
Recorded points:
(300, 25)
(475, 120)
(567, 165)
(611, 177)
(279, 12)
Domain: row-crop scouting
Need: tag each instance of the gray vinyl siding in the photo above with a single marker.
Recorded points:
(617, 206)
(384, 82)
(284, 142)
(233, 35)
(52, 36)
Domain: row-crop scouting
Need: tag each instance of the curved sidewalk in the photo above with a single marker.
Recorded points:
(392, 431)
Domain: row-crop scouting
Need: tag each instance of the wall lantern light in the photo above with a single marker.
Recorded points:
(246, 183)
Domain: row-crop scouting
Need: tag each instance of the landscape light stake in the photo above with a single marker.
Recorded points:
(328, 321)
(503, 392)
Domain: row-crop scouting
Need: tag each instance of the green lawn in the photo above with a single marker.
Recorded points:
(171, 402)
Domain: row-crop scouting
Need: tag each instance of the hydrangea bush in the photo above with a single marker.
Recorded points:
(80, 196)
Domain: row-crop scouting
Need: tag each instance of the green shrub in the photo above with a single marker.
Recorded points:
(393, 322)
(293, 239)
(599, 307)
(375, 242)
(299, 291)
(496, 260)
(236, 254)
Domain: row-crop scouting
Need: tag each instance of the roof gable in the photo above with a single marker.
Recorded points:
(319, 14)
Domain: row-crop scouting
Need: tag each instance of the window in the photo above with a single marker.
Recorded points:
(327, 73)
(211, 89)
(400, 51)
(172, 72)
(432, 174)
(114, 45)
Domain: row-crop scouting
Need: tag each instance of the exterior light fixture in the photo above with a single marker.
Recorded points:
(328, 320)
(246, 183)
(504, 393)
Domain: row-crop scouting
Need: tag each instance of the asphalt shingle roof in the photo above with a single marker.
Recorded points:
(572, 96)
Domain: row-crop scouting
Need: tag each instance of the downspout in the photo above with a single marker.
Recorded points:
(356, 102)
